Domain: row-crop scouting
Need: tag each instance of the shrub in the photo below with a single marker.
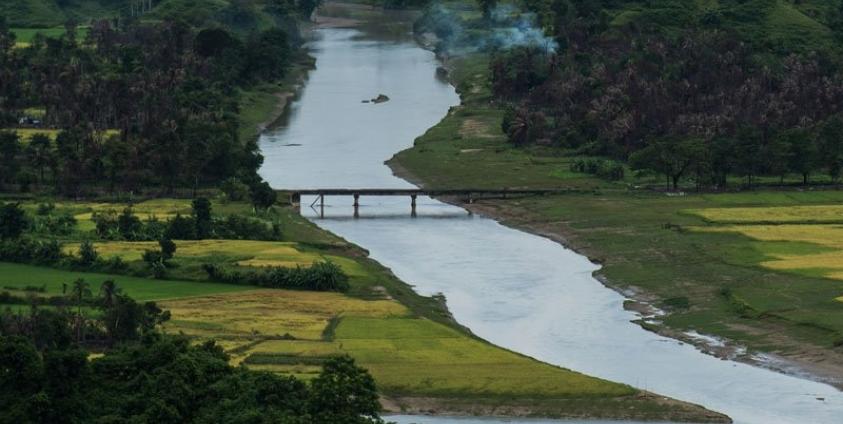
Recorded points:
(322, 276)
(129, 225)
(87, 254)
(168, 249)
(13, 221)
(181, 228)
(45, 209)
(606, 169)
(245, 228)
(234, 189)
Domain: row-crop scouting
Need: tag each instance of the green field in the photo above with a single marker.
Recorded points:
(17, 275)
(770, 293)
(409, 343)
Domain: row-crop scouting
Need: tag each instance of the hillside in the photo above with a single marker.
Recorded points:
(778, 25)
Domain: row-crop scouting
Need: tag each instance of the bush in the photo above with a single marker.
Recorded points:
(181, 228)
(606, 169)
(37, 252)
(234, 190)
(129, 225)
(13, 221)
(322, 276)
(60, 225)
(88, 255)
(245, 228)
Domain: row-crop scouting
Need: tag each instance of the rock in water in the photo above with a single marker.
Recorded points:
(381, 98)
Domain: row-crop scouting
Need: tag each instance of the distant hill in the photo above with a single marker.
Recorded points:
(779, 25)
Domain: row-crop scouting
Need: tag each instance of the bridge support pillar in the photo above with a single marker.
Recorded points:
(413, 205)
(322, 206)
(356, 205)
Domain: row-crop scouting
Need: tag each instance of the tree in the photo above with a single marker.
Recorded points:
(128, 224)
(262, 195)
(803, 157)
(10, 147)
(168, 249)
(108, 293)
(670, 157)
(40, 154)
(13, 221)
(202, 217)
(830, 142)
(344, 393)
(80, 290)
(87, 254)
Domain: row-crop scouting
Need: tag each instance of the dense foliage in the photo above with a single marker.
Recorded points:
(47, 376)
(136, 105)
(683, 89)
(321, 276)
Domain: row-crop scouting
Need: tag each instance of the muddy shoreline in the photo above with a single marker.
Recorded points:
(815, 367)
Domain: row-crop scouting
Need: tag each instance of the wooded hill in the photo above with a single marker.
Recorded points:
(701, 89)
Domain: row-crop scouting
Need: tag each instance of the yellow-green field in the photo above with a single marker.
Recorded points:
(813, 243)
(285, 332)
(772, 215)
(161, 209)
(26, 134)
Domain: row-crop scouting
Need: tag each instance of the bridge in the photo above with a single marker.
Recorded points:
(468, 195)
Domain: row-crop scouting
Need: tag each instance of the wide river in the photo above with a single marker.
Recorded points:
(517, 290)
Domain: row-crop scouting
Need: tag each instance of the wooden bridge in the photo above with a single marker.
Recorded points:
(466, 195)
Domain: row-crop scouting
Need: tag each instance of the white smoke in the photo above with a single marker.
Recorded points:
(509, 28)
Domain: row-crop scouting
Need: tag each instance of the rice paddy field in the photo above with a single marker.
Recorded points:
(409, 343)
(26, 134)
(754, 267)
(292, 332)
(244, 253)
(802, 239)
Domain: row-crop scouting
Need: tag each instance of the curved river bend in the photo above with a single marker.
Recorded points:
(517, 290)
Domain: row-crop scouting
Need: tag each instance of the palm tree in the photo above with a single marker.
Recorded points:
(79, 292)
(108, 291)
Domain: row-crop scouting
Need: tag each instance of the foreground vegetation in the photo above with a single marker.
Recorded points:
(759, 268)
(420, 359)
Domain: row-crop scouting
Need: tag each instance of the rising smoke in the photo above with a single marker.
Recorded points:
(508, 28)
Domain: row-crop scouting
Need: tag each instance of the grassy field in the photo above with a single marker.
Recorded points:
(284, 331)
(17, 275)
(409, 343)
(24, 36)
(771, 288)
(807, 240)
(624, 229)
(26, 134)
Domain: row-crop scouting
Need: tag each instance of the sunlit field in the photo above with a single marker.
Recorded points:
(291, 332)
(773, 215)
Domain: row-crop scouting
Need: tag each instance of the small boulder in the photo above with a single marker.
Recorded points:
(382, 98)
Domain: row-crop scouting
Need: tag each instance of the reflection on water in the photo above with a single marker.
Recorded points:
(514, 289)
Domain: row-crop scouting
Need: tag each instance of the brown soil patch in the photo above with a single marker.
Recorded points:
(475, 129)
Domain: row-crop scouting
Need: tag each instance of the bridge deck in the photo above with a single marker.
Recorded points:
(421, 192)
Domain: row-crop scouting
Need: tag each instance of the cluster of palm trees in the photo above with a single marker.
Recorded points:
(80, 294)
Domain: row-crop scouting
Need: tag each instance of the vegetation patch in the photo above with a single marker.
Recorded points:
(57, 282)
(407, 355)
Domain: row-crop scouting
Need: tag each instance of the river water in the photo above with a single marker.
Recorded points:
(517, 290)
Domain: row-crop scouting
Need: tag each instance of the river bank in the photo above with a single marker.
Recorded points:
(643, 256)
(537, 389)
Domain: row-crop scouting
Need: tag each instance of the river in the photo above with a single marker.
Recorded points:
(517, 290)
